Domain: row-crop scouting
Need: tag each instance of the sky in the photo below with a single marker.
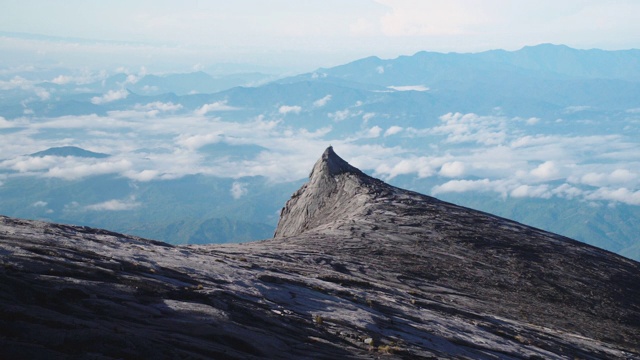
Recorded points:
(297, 35)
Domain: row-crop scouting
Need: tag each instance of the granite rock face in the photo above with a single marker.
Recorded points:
(357, 269)
(336, 191)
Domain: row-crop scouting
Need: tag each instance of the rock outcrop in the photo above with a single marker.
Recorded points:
(357, 269)
(336, 192)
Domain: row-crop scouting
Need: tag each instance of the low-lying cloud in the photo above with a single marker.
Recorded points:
(287, 109)
(322, 102)
(472, 128)
(115, 205)
(71, 168)
(409, 88)
(110, 96)
(213, 107)
(459, 152)
(452, 169)
(238, 190)
(392, 130)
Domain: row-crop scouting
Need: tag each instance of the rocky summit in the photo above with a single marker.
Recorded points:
(357, 269)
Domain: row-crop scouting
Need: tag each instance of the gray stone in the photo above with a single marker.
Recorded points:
(424, 278)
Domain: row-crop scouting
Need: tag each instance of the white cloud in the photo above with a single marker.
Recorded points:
(537, 191)
(21, 83)
(322, 102)
(621, 176)
(622, 195)
(238, 190)
(373, 132)
(110, 96)
(216, 106)
(422, 166)
(158, 105)
(392, 130)
(143, 176)
(380, 70)
(317, 75)
(82, 77)
(618, 176)
(115, 205)
(150, 89)
(567, 191)
(576, 109)
(340, 115)
(368, 116)
(5, 124)
(25, 164)
(286, 109)
(548, 170)
(460, 186)
(595, 179)
(419, 88)
(194, 142)
(17, 82)
(72, 169)
(42, 93)
(452, 169)
(532, 121)
(131, 79)
(463, 128)
(39, 204)
(147, 110)
(62, 79)
(505, 166)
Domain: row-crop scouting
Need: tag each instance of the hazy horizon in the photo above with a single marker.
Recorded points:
(291, 36)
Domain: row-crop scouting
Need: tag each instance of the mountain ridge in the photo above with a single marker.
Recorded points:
(537, 59)
(308, 206)
(70, 151)
(370, 270)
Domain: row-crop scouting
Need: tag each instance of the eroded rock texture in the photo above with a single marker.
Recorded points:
(357, 269)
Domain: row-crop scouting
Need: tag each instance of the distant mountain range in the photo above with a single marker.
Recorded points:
(541, 61)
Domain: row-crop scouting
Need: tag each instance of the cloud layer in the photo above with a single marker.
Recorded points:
(461, 152)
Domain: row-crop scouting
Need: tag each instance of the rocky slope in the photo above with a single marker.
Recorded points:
(357, 269)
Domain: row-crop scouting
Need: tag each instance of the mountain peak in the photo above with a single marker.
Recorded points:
(69, 151)
(335, 191)
(331, 164)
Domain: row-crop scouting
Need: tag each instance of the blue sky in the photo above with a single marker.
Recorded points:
(300, 35)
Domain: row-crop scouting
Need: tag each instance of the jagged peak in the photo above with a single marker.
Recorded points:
(332, 184)
(331, 164)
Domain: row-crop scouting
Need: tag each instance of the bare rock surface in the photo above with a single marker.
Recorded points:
(357, 269)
